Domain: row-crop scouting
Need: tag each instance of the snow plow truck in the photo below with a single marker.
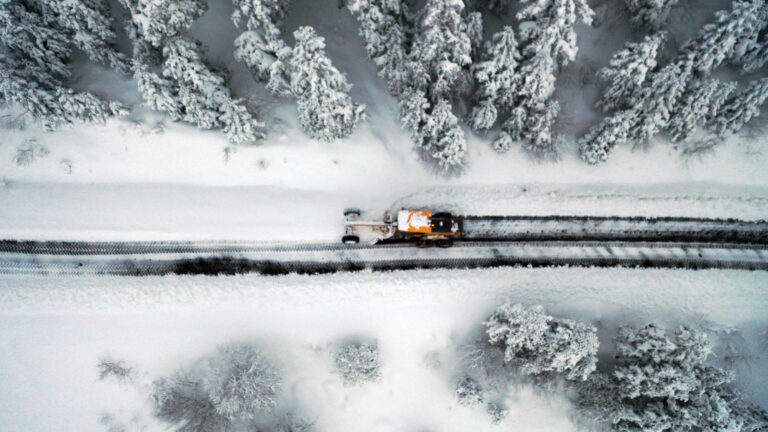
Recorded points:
(422, 226)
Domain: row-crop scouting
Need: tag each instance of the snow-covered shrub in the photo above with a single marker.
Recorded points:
(650, 13)
(539, 344)
(117, 369)
(326, 110)
(28, 152)
(242, 382)
(497, 411)
(182, 401)
(469, 392)
(357, 363)
(230, 389)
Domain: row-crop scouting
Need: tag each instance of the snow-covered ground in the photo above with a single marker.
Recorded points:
(56, 329)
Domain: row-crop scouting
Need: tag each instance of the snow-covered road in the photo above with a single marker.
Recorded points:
(192, 258)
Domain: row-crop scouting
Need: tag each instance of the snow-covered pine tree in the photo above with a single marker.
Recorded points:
(88, 24)
(443, 45)
(658, 101)
(740, 108)
(155, 21)
(499, 6)
(190, 91)
(652, 112)
(383, 27)
(701, 101)
(730, 37)
(548, 41)
(627, 71)
(261, 43)
(540, 344)
(652, 14)
(326, 110)
(496, 79)
(664, 384)
(443, 138)
(35, 65)
(47, 102)
(596, 146)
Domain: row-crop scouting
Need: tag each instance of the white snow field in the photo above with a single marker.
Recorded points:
(56, 329)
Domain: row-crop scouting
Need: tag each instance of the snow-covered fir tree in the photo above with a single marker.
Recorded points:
(190, 91)
(383, 27)
(261, 43)
(496, 79)
(33, 41)
(548, 41)
(326, 110)
(34, 68)
(155, 21)
(434, 129)
(755, 57)
(652, 14)
(443, 45)
(651, 114)
(88, 24)
(730, 37)
(701, 101)
(740, 109)
(537, 343)
(627, 71)
(499, 6)
(664, 383)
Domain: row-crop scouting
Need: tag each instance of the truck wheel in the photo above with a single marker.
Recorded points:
(425, 242)
(352, 212)
(350, 239)
(445, 243)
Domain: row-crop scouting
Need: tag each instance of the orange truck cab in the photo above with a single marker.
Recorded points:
(423, 223)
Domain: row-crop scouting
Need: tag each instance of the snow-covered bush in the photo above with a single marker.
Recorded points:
(539, 344)
(497, 411)
(182, 401)
(469, 392)
(28, 152)
(357, 363)
(326, 110)
(231, 388)
(650, 13)
(117, 369)
(242, 382)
